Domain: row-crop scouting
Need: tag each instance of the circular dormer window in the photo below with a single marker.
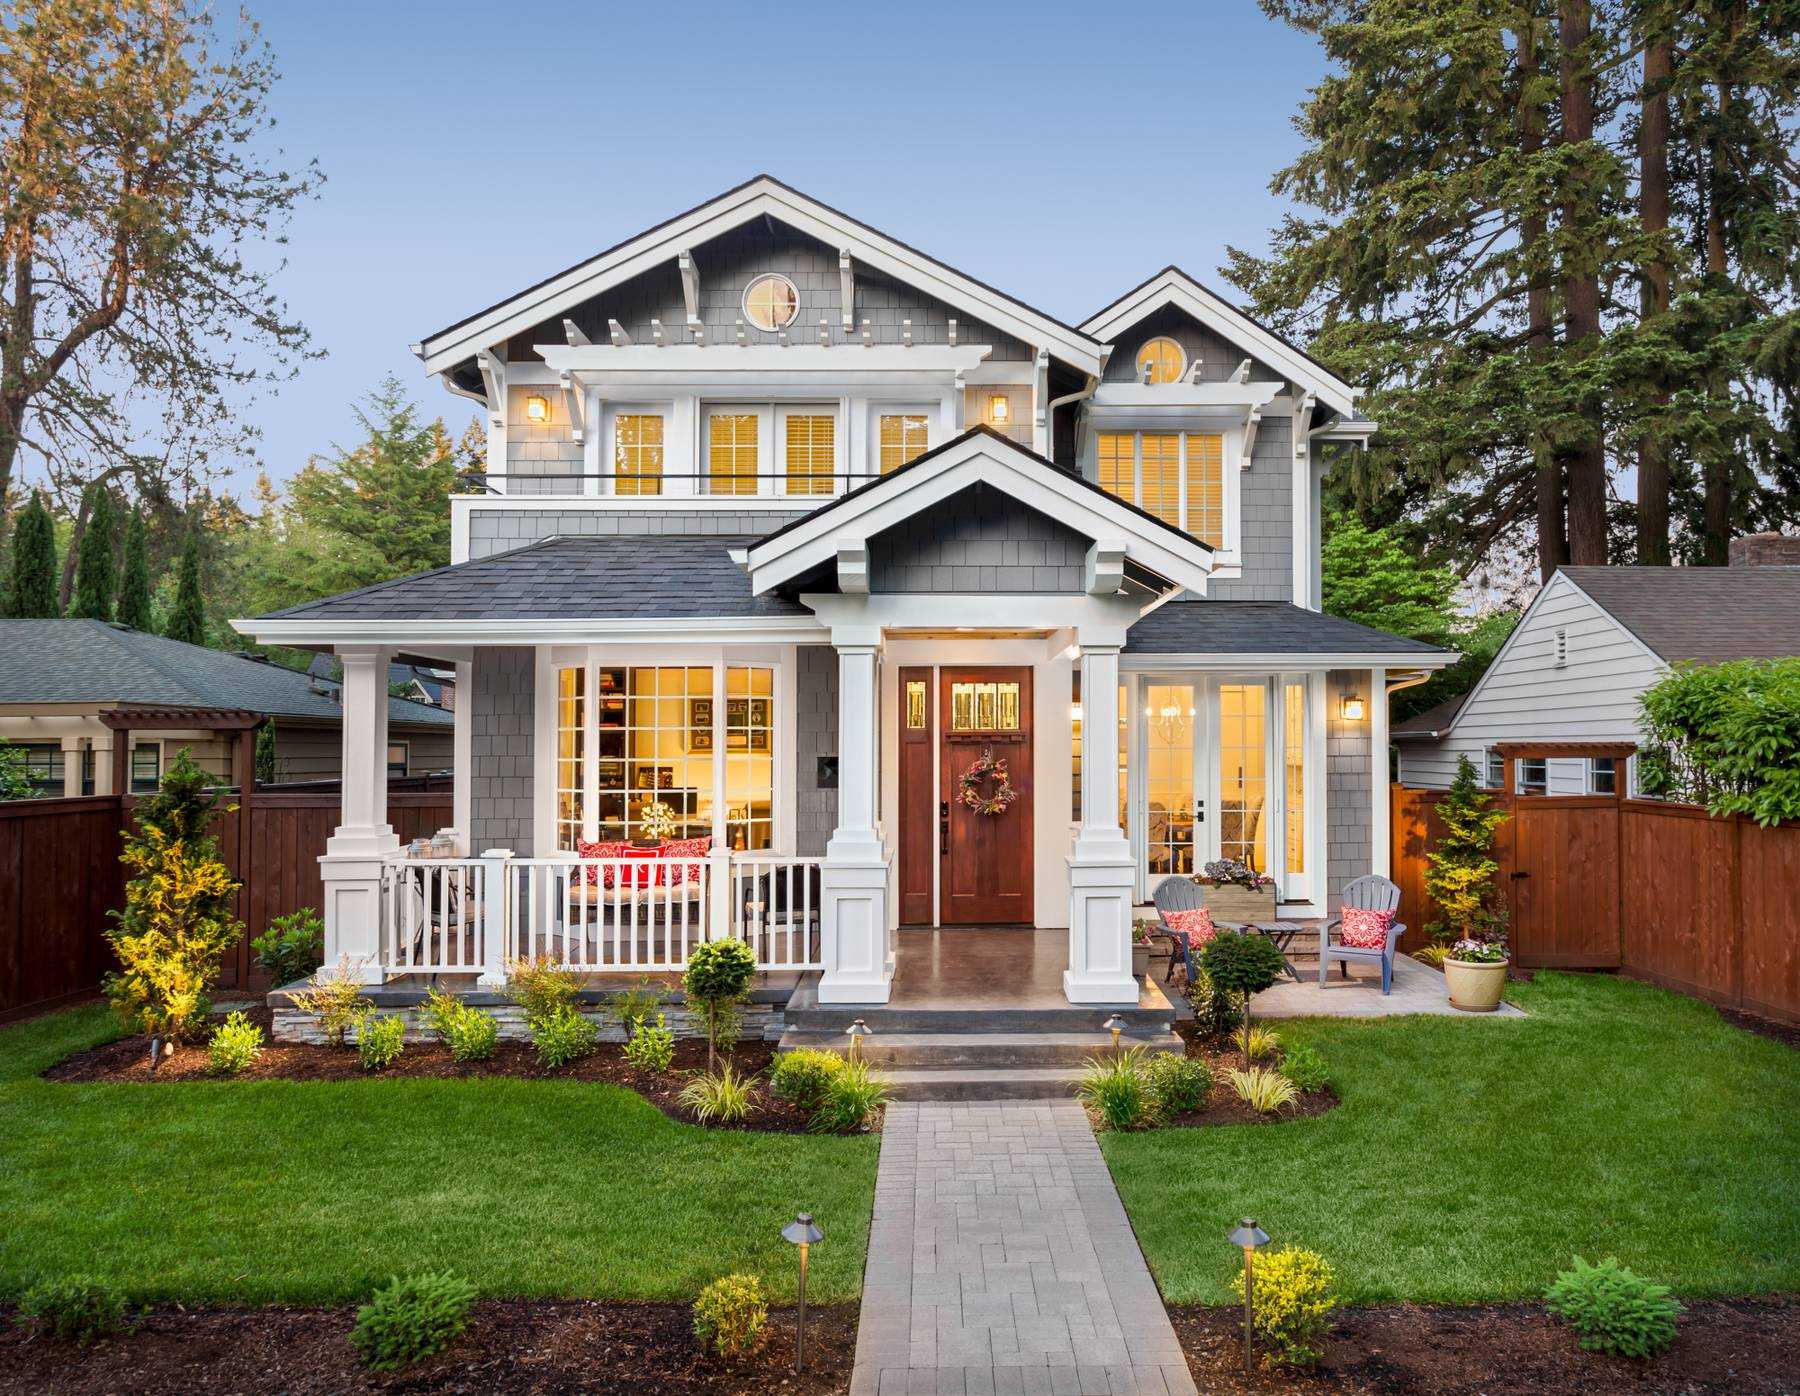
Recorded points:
(771, 302)
(1163, 358)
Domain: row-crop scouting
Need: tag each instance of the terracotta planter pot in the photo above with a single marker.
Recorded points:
(1475, 986)
(1233, 903)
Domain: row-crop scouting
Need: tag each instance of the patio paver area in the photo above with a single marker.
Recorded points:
(1416, 988)
(1001, 1261)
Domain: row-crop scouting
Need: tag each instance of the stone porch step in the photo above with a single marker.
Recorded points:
(1152, 1013)
(960, 1051)
(1012, 1083)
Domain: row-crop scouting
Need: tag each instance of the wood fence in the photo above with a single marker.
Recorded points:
(1662, 892)
(60, 874)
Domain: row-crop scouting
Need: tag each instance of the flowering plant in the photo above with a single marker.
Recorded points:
(657, 820)
(1478, 952)
(1230, 872)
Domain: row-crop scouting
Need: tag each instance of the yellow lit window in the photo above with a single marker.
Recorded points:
(902, 440)
(731, 452)
(1206, 487)
(571, 747)
(811, 455)
(1294, 763)
(771, 302)
(1162, 476)
(984, 707)
(638, 454)
(1118, 464)
(1163, 357)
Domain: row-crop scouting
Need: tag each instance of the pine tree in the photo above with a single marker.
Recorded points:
(96, 568)
(187, 621)
(1460, 868)
(32, 595)
(134, 584)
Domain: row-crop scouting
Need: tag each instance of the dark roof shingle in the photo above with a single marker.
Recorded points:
(1261, 627)
(1702, 614)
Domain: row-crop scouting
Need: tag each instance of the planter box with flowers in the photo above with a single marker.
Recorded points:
(1475, 974)
(1232, 891)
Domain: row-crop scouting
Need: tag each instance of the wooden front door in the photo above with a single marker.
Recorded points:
(985, 859)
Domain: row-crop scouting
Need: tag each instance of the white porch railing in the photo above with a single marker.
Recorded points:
(596, 915)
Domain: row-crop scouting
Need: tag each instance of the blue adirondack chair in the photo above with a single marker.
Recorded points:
(1372, 893)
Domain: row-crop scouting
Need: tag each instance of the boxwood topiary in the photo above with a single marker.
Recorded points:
(1244, 963)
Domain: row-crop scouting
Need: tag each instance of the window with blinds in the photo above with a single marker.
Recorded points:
(731, 447)
(811, 452)
(637, 453)
(902, 439)
(1206, 487)
(1118, 464)
(1178, 476)
(1162, 475)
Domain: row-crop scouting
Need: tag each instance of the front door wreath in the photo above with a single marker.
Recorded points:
(1000, 798)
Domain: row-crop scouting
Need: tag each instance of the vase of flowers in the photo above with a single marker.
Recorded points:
(1234, 891)
(1140, 947)
(656, 823)
(1475, 973)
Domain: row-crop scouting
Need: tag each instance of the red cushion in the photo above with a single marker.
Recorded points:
(1363, 929)
(584, 849)
(644, 876)
(690, 848)
(1196, 925)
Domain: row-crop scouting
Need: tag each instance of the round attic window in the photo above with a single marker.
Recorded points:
(771, 302)
(1162, 356)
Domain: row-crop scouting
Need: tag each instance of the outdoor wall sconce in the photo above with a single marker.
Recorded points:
(537, 409)
(999, 408)
(1353, 708)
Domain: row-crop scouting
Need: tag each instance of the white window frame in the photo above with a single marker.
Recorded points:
(1137, 367)
(771, 444)
(405, 758)
(609, 446)
(1519, 766)
(931, 412)
(750, 321)
(1493, 777)
(1593, 766)
(1230, 445)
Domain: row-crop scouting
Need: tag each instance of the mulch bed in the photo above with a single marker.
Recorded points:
(511, 1346)
(1222, 1104)
(1788, 1034)
(128, 1060)
(1746, 1347)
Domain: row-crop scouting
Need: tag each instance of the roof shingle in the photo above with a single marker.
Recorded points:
(1703, 614)
(1261, 627)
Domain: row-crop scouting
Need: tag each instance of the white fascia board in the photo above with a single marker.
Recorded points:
(896, 498)
(758, 198)
(462, 505)
(1173, 287)
(428, 634)
(646, 370)
(1293, 661)
(1351, 429)
(1242, 397)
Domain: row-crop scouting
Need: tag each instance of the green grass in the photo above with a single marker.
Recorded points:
(315, 1192)
(1471, 1158)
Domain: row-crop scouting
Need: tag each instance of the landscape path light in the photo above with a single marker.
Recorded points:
(801, 1233)
(856, 1032)
(1249, 1238)
(1115, 1025)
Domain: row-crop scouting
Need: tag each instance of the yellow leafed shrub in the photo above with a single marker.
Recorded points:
(1293, 1301)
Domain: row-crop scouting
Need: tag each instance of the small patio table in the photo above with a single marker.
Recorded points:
(1280, 934)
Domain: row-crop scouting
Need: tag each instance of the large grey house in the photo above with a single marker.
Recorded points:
(866, 596)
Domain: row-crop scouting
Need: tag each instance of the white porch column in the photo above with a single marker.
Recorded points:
(1380, 799)
(1100, 869)
(71, 754)
(103, 748)
(859, 961)
(354, 855)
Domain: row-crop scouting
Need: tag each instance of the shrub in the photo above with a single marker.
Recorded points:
(408, 1320)
(1264, 1089)
(292, 948)
(651, 1047)
(335, 998)
(631, 1008)
(1177, 1084)
(380, 1041)
(1613, 1309)
(1243, 963)
(177, 922)
(1460, 866)
(1114, 1088)
(851, 1098)
(801, 1077)
(1293, 1303)
(1304, 1067)
(541, 987)
(73, 1309)
(469, 1033)
(721, 1098)
(717, 979)
(565, 1036)
(236, 1044)
(1264, 1042)
(730, 1315)
(1216, 1011)
(1727, 736)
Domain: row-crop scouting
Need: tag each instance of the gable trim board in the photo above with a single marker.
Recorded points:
(762, 196)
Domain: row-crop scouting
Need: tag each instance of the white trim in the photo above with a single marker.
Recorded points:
(1380, 841)
(1292, 661)
(431, 634)
(752, 284)
(1175, 287)
(759, 198)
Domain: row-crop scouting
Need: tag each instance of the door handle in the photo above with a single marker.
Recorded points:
(1516, 876)
(943, 829)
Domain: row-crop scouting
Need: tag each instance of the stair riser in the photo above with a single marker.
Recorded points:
(913, 1020)
(984, 1090)
(999, 1055)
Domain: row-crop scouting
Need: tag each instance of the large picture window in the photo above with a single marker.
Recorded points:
(1177, 476)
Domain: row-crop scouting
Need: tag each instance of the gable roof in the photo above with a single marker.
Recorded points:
(1700, 614)
(1173, 286)
(1433, 723)
(91, 661)
(761, 196)
(1270, 627)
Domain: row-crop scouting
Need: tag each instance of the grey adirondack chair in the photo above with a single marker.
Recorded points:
(1371, 893)
(1177, 894)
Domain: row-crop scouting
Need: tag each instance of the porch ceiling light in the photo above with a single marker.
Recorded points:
(1353, 708)
(998, 407)
(537, 409)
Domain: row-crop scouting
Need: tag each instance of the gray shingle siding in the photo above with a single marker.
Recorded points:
(498, 531)
(1217, 356)
(501, 771)
(816, 721)
(978, 541)
(1348, 826)
(1266, 520)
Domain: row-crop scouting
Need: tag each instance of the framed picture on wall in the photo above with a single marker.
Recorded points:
(700, 724)
(748, 722)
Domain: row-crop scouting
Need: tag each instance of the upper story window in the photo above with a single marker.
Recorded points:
(771, 302)
(638, 453)
(792, 448)
(901, 437)
(1178, 476)
(1161, 361)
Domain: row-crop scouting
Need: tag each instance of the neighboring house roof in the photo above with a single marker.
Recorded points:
(1433, 723)
(1700, 614)
(1267, 627)
(589, 577)
(429, 681)
(90, 661)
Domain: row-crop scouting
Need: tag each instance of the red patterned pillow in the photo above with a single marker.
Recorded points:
(1196, 925)
(1363, 929)
(584, 849)
(690, 848)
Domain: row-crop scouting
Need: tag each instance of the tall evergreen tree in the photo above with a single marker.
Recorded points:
(96, 567)
(32, 595)
(134, 582)
(187, 621)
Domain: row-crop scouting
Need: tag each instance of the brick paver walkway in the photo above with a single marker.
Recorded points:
(1001, 1261)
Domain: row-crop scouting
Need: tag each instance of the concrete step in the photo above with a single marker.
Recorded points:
(1153, 1012)
(1012, 1083)
(990, 1051)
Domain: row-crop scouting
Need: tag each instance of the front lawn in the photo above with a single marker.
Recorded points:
(1472, 1157)
(315, 1192)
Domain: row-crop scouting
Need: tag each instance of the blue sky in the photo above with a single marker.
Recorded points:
(1063, 152)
